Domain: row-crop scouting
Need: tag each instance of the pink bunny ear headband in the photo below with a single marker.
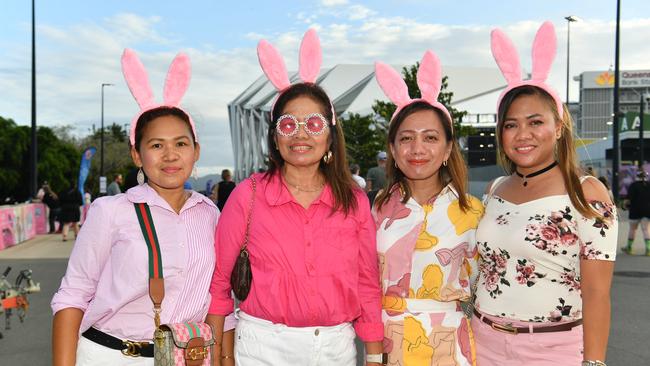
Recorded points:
(176, 83)
(544, 48)
(429, 80)
(311, 58)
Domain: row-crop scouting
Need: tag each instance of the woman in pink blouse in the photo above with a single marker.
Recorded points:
(312, 246)
(104, 300)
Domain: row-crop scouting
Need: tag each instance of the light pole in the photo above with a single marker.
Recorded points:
(570, 19)
(616, 114)
(33, 151)
(644, 97)
(101, 134)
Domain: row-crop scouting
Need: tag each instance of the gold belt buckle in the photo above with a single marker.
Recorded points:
(132, 349)
(504, 328)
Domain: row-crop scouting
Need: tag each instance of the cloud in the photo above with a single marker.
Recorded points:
(74, 60)
(333, 2)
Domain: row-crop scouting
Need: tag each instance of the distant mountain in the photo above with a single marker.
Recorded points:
(199, 184)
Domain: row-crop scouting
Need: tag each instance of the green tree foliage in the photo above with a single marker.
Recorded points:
(58, 161)
(117, 155)
(363, 139)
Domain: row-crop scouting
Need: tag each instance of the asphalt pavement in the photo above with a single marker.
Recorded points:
(29, 343)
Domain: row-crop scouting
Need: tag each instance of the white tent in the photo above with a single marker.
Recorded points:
(353, 89)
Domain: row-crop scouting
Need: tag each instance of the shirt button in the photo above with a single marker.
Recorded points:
(316, 332)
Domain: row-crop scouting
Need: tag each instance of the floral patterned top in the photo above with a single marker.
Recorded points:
(531, 252)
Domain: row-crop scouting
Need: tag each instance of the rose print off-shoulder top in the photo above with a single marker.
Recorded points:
(531, 252)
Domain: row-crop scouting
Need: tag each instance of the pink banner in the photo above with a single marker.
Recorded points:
(21, 222)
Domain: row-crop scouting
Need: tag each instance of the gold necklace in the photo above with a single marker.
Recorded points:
(301, 189)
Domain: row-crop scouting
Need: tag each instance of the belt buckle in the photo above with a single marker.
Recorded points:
(132, 349)
(504, 328)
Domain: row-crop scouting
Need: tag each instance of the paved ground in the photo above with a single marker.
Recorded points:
(29, 343)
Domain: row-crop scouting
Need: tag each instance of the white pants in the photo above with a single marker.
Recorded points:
(259, 342)
(90, 353)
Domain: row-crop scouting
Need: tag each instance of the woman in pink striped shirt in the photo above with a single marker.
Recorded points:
(312, 246)
(104, 296)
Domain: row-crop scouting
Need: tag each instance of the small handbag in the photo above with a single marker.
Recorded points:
(241, 277)
(175, 344)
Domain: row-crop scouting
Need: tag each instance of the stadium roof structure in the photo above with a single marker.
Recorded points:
(353, 89)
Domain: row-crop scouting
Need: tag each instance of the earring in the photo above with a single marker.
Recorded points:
(444, 163)
(140, 177)
(327, 157)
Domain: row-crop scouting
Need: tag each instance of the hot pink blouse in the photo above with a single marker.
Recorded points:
(311, 267)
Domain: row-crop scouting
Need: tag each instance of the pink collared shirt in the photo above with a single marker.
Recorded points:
(107, 275)
(311, 267)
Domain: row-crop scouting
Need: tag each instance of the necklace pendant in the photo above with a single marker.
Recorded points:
(525, 183)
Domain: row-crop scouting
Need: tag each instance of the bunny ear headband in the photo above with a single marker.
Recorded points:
(176, 83)
(429, 80)
(544, 48)
(311, 58)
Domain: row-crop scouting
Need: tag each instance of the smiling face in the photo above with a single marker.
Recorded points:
(529, 133)
(303, 149)
(420, 146)
(166, 153)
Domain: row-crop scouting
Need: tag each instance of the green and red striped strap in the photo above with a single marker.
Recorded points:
(193, 330)
(149, 232)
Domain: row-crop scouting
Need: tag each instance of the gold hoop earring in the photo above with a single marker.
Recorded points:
(327, 158)
(444, 163)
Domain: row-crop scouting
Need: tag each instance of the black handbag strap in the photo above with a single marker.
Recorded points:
(250, 213)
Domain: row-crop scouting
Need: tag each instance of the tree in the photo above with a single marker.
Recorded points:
(363, 139)
(58, 161)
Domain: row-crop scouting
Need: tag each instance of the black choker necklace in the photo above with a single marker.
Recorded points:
(534, 174)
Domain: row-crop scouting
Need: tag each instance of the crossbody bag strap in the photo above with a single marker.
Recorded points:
(156, 281)
(250, 213)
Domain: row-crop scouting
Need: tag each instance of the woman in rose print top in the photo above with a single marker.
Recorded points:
(547, 240)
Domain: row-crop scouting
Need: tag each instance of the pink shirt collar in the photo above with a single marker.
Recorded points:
(144, 193)
(277, 193)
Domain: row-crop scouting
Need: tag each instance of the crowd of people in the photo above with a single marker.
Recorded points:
(391, 263)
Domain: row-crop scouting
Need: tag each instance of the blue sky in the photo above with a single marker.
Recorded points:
(80, 42)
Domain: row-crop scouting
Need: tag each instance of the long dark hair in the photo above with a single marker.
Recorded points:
(565, 153)
(455, 172)
(336, 172)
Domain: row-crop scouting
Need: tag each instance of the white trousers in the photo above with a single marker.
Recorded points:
(90, 353)
(259, 342)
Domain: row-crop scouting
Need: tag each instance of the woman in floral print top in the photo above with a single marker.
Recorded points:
(547, 245)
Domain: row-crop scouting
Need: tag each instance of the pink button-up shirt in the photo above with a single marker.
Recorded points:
(107, 275)
(311, 267)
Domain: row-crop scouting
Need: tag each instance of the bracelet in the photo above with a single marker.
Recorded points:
(226, 357)
(593, 363)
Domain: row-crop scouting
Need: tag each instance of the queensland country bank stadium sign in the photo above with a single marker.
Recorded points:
(605, 79)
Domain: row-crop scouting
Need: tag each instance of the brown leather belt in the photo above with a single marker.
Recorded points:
(507, 328)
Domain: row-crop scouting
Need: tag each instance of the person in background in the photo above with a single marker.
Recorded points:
(376, 177)
(224, 188)
(70, 214)
(51, 200)
(114, 187)
(354, 169)
(638, 202)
